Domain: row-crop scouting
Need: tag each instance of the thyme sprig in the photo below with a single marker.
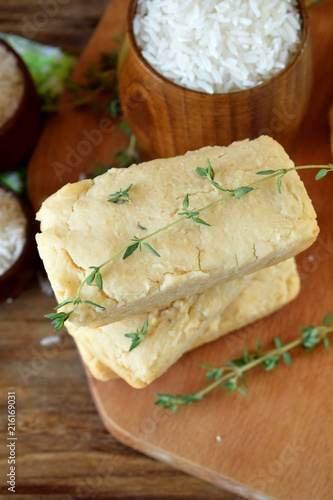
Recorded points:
(209, 174)
(230, 375)
(138, 337)
(121, 196)
(136, 243)
(191, 215)
(98, 79)
(124, 157)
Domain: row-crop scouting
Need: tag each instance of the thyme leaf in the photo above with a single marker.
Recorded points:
(191, 215)
(138, 337)
(138, 245)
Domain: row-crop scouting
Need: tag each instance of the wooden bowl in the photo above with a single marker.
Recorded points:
(20, 133)
(169, 120)
(17, 276)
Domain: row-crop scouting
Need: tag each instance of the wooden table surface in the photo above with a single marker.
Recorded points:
(63, 450)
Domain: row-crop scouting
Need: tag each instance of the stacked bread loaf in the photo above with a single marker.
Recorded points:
(205, 281)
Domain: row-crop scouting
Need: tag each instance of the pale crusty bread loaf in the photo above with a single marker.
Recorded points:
(268, 291)
(171, 332)
(81, 229)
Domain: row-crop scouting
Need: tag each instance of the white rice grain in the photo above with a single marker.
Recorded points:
(217, 46)
(11, 85)
(12, 230)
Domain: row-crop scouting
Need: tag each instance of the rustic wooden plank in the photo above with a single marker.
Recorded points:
(63, 448)
(68, 23)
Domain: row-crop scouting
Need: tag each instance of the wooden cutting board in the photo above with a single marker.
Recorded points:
(277, 443)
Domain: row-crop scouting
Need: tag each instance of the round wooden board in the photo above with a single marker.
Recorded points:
(278, 442)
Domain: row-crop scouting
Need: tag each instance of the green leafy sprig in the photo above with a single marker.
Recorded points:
(209, 174)
(98, 79)
(121, 196)
(138, 337)
(230, 375)
(123, 158)
(191, 215)
(137, 243)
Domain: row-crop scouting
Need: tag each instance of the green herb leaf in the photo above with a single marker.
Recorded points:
(241, 390)
(201, 171)
(185, 202)
(212, 373)
(241, 191)
(327, 344)
(279, 180)
(92, 304)
(58, 319)
(151, 249)
(130, 249)
(170, 402)
(286, 358)
(95, 275)
(266, 172)
(121, 196)
(67, 301)
(138, 337)
(99, 281)
(310, 336)
(327, 319)
(125, 128)
(321, 174)
(200, 221)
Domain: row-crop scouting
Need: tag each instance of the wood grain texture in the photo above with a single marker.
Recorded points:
(74, 139)
(70, 24)
(169, 120)
(64, 450)
(24, 126)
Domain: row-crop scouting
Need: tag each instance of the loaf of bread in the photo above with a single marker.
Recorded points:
(79, 229)
(171, 331)
(268, 291)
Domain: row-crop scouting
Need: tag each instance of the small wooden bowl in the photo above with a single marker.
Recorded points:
(17, 276)
(20, 133)
(169, 120)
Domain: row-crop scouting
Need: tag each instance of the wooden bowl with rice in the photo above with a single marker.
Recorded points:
(169, 119)
(20, 118)
(18, 252)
